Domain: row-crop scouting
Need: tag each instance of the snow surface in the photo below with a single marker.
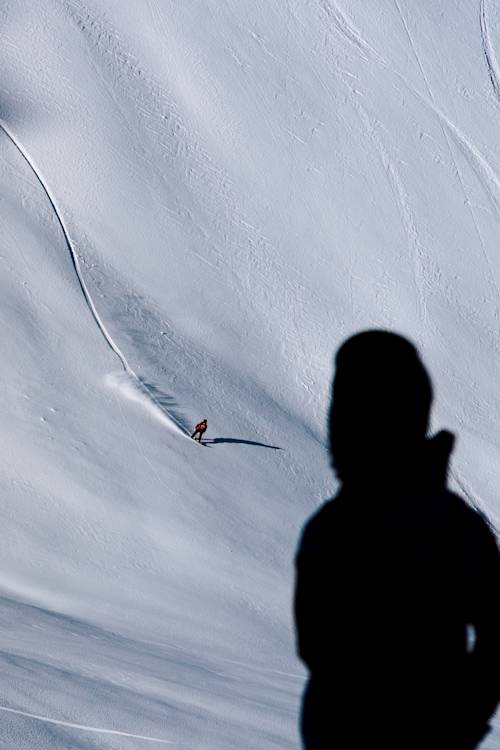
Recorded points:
(199, 202)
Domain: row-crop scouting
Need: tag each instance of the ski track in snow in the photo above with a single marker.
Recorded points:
(348, 29)
(467, 148)
(481, 166)
(484, 171)
(84, 727)
(489, 54)
(138, 383)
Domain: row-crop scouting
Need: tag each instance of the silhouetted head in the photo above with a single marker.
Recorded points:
(381, 403)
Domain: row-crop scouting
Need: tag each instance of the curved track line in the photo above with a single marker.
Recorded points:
(88, 299)
(489, 54)
(84, 727)
(483, 170)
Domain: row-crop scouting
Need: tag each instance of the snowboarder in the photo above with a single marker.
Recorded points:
(199, 430)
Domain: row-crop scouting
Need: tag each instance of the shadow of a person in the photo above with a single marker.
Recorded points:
(397, 579)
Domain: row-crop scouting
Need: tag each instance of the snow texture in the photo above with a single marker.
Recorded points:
(199, 202)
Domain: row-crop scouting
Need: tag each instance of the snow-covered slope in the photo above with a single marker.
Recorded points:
(199, 201)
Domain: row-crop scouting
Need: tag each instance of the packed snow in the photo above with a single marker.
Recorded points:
(199, 201)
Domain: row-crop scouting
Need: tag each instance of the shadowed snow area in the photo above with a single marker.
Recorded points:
(199, 202)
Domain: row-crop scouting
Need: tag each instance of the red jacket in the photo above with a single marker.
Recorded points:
(201, 427)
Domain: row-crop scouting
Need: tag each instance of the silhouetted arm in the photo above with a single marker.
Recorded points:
(300, 608)
(484, 661)
(304, 609)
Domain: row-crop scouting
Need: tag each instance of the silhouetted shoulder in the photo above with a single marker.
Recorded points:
(476, 526)
(475, 544)
(443, 511)
(321, 524)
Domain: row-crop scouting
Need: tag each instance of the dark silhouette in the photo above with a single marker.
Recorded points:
(397, 578)
(243, 442)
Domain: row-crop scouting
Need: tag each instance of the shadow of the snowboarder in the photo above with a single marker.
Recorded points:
(244, 442)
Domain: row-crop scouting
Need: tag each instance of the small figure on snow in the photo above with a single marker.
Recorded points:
(199, 430)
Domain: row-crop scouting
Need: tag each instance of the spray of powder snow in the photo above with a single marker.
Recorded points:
(158, 404)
